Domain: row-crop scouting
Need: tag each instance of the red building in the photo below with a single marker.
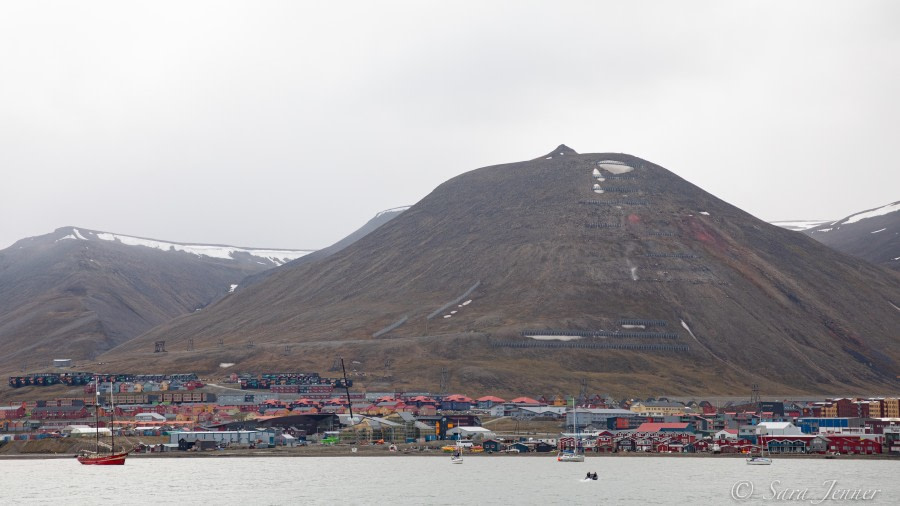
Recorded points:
(853, 445)
(12, 412)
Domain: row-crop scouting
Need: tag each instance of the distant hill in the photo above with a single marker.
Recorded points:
(872, 235)
(75, 293)
(603, 268)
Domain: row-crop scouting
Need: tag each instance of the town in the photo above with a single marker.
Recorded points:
(254, 411)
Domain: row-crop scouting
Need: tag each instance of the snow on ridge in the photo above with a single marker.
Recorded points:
(880, 230)
(225, 252)
(881, 211)
(798, 225)
(393, 210)
(70, 236)
(78, 234)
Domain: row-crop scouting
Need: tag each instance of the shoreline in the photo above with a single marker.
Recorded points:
(345, 452)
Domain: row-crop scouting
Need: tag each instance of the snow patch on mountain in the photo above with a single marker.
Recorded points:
(881, 211)
(393, 210)
(615, 166)
(798, 225)
(277, 257)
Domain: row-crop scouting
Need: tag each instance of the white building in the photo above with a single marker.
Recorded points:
(149, 417)
(778, 429)
(85, 431)
(470, 432)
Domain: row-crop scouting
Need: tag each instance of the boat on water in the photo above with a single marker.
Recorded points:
(572, 455)
(761, 459)
(457, 457)
(96, 457)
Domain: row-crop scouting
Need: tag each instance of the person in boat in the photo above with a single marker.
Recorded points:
(594, 476)
(588, 477)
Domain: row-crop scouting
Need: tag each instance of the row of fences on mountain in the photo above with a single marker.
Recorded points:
(88, 379)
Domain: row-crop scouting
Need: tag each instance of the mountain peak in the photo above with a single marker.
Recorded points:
(560, 150)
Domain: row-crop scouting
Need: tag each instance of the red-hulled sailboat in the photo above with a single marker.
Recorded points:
(96, 458)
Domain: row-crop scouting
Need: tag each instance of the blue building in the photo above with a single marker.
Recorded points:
(811, 425)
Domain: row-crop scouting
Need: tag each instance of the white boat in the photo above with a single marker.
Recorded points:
(761, 459)
(457, 457)
(569, 456)
(572, 455)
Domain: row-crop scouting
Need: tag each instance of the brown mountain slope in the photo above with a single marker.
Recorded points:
(75, 293)
(725, 300)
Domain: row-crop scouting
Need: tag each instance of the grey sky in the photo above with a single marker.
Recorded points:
(289, 124)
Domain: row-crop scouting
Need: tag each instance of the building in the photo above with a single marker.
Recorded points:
(85, 431)
(778, 429)
(462, 432)
(658, 408)
(529, 412)
(493, 445)
(239, 437)
(814, 425)
(12, 412)
(892, 439)
(595, 416)
(651, 427)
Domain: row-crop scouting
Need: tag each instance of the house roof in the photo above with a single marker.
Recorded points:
(458, 398)
(661, 404)
(656, 427)
(524, 400)
(558, 410)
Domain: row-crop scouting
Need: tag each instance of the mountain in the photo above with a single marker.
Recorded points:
(380, 219)
(872, 235)
(538, 275)
(74, 293)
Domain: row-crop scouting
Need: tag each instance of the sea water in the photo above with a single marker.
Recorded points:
(433, 480)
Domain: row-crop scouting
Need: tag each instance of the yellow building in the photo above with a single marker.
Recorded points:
(891, 408)
(875, 409)
(658, 408)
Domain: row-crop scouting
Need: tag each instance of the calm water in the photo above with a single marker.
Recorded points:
(433, 480)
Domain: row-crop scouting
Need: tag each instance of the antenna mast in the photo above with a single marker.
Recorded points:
(347, 389)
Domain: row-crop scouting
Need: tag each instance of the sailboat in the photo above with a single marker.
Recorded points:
(96, 458)
(761, 459)
(572, 455)
(457, 457)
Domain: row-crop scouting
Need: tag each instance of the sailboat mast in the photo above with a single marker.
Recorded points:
(97, 412)
(112, 414)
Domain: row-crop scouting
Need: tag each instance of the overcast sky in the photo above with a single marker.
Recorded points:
(290, 124)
